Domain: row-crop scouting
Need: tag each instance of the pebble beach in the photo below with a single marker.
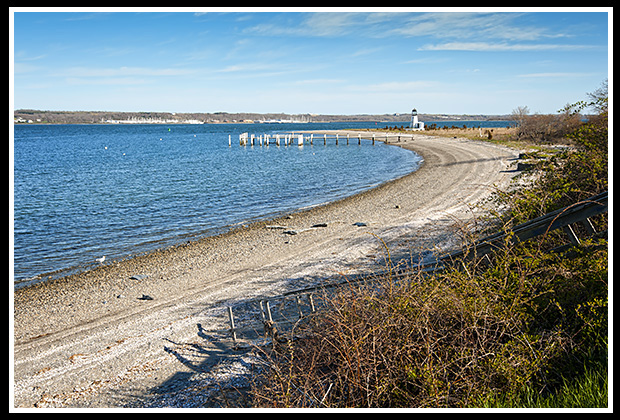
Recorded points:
(131, 332)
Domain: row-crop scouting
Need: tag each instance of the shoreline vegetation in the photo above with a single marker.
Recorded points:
(525, 327)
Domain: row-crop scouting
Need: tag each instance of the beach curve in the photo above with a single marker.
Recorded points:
(92, 339)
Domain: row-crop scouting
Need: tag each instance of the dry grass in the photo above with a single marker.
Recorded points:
(452, 339)
(496, 133)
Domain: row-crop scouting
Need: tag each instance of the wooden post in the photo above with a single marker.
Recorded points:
(347, 139)
(268, 311)
(298, 298)
(324, 139)
(233, 331)
(336, 139)
(359, 139)
(311, 302)
(373, 139)
(229, 140)
(262, 310)
(571, 235)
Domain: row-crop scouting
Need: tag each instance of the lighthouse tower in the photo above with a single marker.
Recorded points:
(415, 124)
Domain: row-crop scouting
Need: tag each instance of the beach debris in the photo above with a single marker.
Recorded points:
(138, 277)
(296, 231)
(276, 227)
(145, 297)
(360, 224)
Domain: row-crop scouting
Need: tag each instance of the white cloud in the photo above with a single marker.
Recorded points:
(407, 86)
(469, 25)
(503, 46)
(107, 81)
(123, 71)
(318, 81)
(554, 75)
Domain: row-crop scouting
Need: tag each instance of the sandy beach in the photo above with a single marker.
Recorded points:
(136, 331)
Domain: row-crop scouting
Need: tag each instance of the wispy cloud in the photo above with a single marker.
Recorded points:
(474, 26)
(405, 86)
(123, 72)
(501, 46)
(327, 24)
(554, 75)
(108, 81)
(318, 81)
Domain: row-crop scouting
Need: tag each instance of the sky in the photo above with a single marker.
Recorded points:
(317, 61)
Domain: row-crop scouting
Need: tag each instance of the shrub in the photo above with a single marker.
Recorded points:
(523, 327)
(453, 339)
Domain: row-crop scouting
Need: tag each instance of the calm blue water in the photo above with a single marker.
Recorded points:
(83, 191)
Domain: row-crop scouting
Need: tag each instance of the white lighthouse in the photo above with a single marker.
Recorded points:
(415, 124)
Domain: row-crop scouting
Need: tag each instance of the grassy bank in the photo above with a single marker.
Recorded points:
(526, 327)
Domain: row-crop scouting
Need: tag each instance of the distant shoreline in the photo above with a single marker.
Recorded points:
(23, 116)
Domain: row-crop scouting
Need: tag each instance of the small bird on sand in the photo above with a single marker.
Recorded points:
(101, 260)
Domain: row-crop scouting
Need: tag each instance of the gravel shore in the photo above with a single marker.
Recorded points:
(132, 332)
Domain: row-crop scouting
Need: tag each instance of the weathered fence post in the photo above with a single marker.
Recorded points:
(298, 299)
(233, 331)
(311, 302)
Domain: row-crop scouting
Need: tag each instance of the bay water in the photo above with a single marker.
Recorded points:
(84, 191)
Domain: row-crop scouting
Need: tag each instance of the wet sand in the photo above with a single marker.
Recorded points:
(95, 339)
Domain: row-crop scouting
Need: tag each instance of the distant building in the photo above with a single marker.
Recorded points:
(415, 124)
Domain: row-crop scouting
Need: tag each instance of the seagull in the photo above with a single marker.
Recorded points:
(101, 260)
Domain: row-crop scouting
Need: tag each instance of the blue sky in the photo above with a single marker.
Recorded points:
(353, 61)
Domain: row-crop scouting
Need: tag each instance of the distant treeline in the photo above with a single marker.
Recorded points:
(97, 117)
